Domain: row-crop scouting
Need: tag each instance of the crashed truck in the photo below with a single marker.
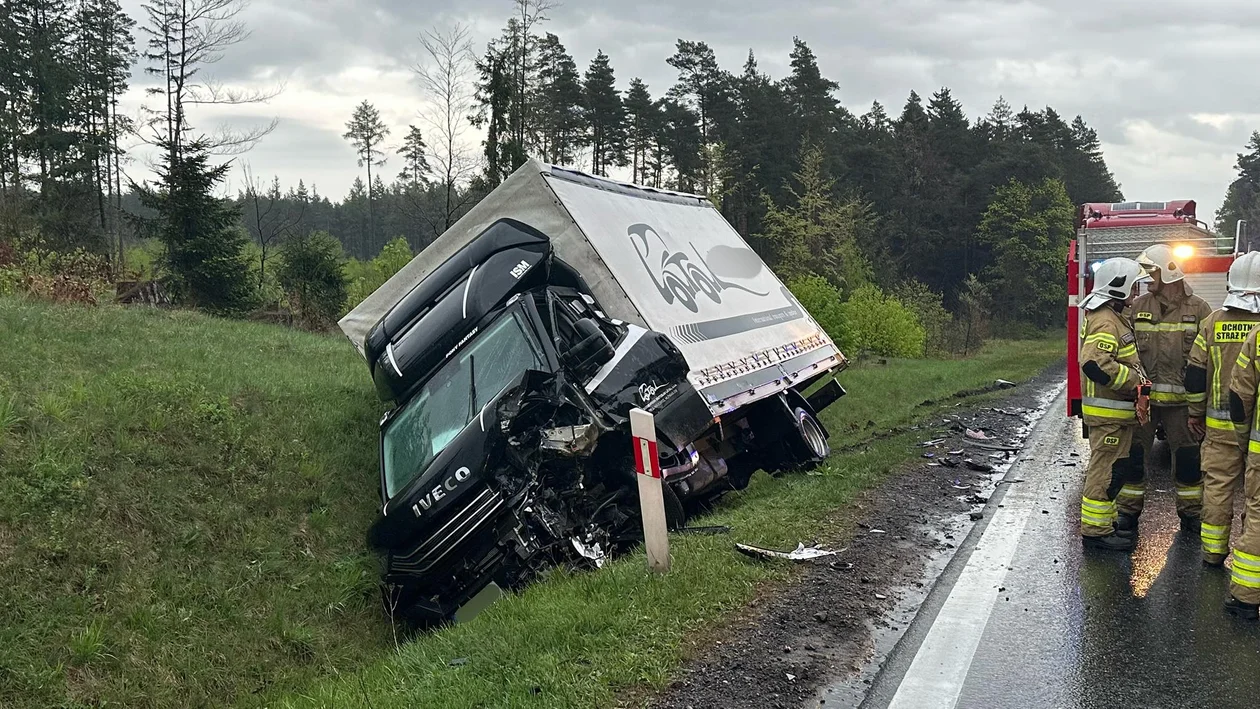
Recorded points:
(512, 349)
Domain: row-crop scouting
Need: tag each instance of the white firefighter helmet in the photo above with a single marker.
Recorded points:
(1114, 280)
(1244, 283)
(1161, 257)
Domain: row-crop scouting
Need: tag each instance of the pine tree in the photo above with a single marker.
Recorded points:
(494, 99)
(1086, 175)
(681, 143)
(642, 125)
(205, 246)
(605, 116)
(999, 124)
(13, 67)
(705, 88)
(414, 153)
(365, 131)
(810, 95)
(755, 149)
(557, 103)
(44, 29)
(949, 131)
(1242, 199)
(815, 235)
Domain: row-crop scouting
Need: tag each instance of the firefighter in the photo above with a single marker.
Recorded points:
(1166, 321)
(1114, 401)
(1211, 365)
(1244, 582)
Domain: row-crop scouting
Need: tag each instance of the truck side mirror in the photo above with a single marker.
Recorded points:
(592, 349)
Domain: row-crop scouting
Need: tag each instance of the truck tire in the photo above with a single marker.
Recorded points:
(675, 513)
(810, 444)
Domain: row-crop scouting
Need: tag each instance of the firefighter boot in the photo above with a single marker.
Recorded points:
(1240, 609)
(1111, 542)
(1126, 525)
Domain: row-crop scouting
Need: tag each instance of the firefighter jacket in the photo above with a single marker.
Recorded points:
(1211, 365)
(1110, 368)
(1166, 327)
(1243, 384)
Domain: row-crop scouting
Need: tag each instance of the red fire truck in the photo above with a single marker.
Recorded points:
(1124, 229)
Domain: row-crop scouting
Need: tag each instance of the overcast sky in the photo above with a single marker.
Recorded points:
(1170, 85)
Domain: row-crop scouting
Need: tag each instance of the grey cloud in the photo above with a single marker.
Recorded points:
(1115, 63)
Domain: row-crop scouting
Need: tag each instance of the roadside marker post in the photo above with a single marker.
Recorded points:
(651, 496)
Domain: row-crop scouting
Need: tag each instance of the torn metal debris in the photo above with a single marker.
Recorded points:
(592, 552)
(569, 440)
(800, 553)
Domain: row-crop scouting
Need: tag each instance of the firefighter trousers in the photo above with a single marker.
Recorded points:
(1186, 466)
(1109, 463)
(1224, 464)
(1244, 578)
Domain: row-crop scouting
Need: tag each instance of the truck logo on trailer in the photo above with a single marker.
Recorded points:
(647, 391)
(675, 275)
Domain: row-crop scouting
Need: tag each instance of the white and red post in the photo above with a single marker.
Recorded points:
(651, 496)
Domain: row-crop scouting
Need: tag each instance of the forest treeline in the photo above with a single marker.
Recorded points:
(919, 207)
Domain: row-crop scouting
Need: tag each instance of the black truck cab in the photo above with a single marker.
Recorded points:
(508, 436)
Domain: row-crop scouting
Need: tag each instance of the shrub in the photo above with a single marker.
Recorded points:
(822, 301)
(938, 323)
(366, 276)
(77, 276)
(143, 259)
(869, 321)
(881, 324)
(975, 306)
(312, 274)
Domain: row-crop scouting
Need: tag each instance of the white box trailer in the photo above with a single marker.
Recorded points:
(665, 261)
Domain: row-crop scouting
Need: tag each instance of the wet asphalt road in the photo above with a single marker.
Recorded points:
(1023, 617)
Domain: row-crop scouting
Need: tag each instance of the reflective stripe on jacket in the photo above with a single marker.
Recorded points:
(1215, 350)
(1109, 342)
(1243, 383)
(1166, 330)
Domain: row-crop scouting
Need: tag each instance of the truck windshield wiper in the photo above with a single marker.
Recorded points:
(472, 386)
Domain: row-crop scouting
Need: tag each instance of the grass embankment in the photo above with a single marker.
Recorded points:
(183, 502)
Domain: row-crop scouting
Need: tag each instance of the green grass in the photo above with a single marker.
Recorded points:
(183, 504)
(184, 500)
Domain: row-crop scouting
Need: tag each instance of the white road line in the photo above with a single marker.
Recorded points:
(936, 676)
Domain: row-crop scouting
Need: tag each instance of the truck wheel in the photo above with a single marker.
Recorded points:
(811, 444)
(675, 513)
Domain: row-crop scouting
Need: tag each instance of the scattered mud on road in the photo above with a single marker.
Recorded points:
(836, 622)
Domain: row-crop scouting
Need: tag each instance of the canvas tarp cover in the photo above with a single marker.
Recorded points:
(665, 261)
(524, 196)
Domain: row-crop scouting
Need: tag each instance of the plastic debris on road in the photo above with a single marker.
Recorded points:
(978, 435)
(800, 553)
(1003, 384)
